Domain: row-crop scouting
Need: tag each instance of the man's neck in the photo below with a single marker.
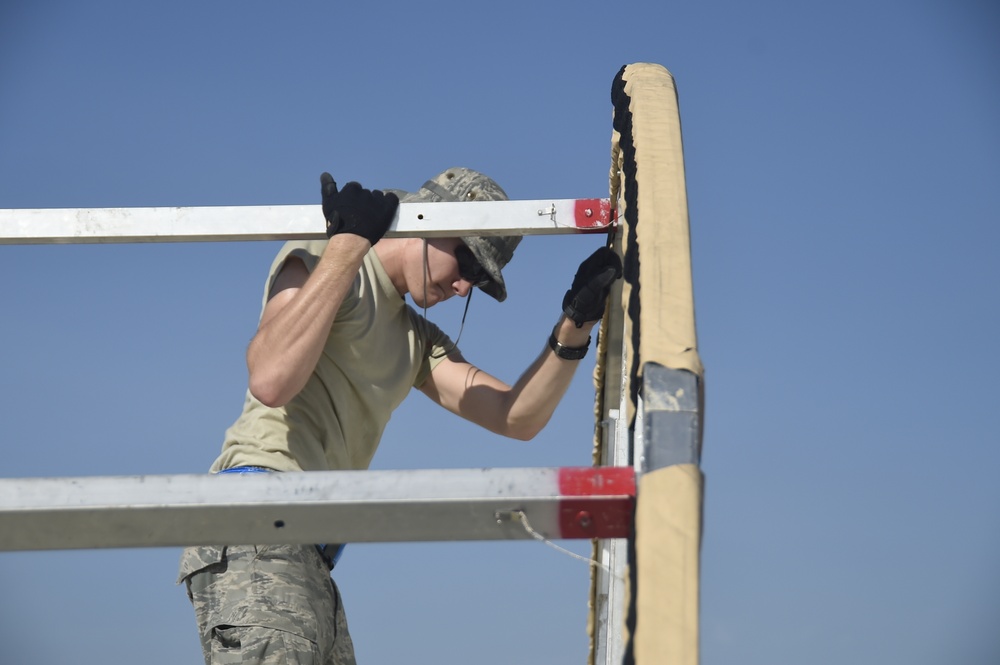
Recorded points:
(391, 253)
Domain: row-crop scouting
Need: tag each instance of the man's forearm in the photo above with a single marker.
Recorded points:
(538, 391)
(296, 321)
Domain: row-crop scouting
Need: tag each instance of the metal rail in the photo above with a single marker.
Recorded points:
(295, 222)
(315, 507)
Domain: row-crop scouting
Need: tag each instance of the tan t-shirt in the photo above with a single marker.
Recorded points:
(379, 347)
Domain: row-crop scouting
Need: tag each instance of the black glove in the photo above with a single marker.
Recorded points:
(356, 210)
(585, 299)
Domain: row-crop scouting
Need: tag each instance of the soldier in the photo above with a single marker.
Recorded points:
(336, 351)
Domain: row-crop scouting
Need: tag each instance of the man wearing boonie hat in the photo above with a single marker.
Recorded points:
(337, 349)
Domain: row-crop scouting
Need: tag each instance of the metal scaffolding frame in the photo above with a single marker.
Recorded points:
(645, 426)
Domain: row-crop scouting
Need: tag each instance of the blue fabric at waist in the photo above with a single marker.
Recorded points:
(246, 469)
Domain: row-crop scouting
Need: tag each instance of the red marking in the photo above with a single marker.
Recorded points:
(604, 480)
(592, 215)
(605, 503)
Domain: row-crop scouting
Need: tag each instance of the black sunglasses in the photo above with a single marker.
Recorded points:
(469, 267)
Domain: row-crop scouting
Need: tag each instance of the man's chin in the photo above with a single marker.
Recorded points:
(431, 300)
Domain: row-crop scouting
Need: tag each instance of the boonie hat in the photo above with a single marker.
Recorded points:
(461, 184)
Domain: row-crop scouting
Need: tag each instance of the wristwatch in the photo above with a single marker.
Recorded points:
(567, 352)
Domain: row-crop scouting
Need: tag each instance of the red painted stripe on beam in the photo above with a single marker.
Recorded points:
(592, 214)
(591, 514)
(587, 481)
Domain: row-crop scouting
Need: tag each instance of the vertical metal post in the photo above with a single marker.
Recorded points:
(609, 597)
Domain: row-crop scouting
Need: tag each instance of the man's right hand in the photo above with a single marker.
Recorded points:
(353, 209)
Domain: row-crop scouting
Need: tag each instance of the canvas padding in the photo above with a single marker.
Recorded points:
(647, 183)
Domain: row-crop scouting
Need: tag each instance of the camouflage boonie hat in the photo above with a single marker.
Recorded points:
(461, 184)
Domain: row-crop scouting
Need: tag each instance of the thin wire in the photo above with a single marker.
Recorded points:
(523, 518)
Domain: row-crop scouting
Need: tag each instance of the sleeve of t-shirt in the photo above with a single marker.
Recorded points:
(308, 251)
(438, 346)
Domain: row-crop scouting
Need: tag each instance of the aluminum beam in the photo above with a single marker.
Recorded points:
(295, 222)
(314, 507)
(609, 597)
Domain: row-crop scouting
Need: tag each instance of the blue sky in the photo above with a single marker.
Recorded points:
(843, 163)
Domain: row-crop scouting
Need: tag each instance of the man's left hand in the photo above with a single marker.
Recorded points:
(584, 302)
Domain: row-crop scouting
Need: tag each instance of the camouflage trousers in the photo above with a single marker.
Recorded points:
(266, 604)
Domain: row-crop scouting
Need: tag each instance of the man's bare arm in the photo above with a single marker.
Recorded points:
(297, 319)
(519, 411)
(522, 410)
(301, 307)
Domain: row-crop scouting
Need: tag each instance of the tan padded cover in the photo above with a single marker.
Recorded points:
(647, 181)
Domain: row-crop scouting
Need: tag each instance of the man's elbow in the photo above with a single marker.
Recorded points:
(524, 431)
(268, 391)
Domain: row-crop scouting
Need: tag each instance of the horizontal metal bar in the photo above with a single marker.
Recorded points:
(294, 222)
(314, 507)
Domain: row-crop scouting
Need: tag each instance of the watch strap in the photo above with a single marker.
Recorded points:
(568, 352)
